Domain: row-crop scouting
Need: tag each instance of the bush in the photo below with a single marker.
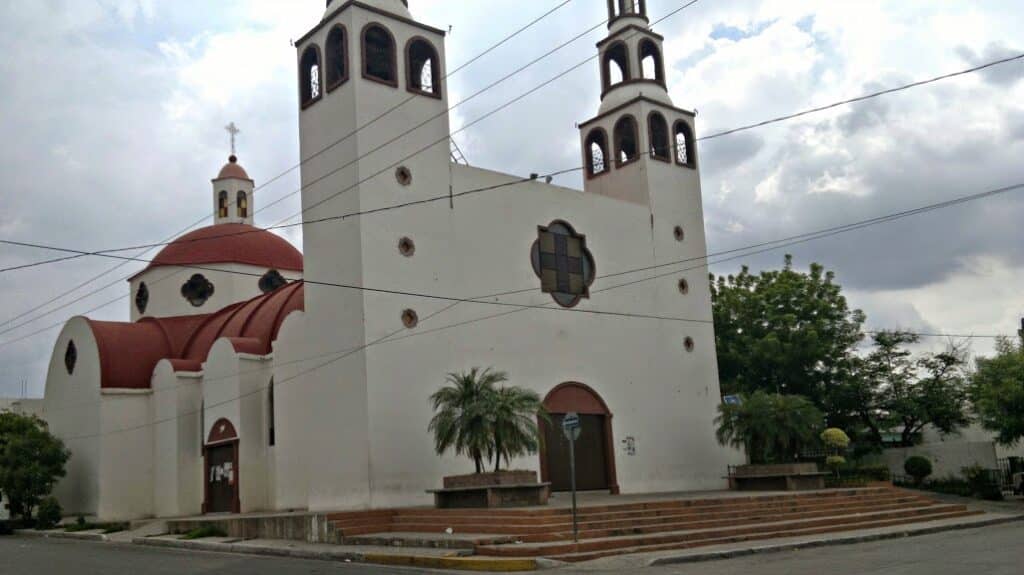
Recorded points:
(835, 439)
(983, 483)
(205, 531)
(49, 513)
(917, 467)
(6, 528)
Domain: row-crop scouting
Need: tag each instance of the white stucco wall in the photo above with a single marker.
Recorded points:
(72, 409)
(177, 452)
(237, 282)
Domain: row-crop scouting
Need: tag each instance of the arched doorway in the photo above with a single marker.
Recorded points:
(220, 467)
(595, 453)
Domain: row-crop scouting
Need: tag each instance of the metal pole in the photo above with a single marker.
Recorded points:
(572, 479)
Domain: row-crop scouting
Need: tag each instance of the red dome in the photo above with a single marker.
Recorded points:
(230, 243)
(233, 169)
(130, 351)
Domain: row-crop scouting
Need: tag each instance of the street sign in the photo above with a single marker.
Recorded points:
(571, 429)
(571, 426)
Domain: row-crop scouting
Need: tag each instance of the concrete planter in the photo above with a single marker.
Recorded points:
(777, 477)
(488, 479)
(501, 489)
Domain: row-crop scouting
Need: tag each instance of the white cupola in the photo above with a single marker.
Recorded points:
(232, 194)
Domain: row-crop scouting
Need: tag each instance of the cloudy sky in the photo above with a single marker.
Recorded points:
(112, 115)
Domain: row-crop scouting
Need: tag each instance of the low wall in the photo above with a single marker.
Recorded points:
(948, 459)
(311, 528)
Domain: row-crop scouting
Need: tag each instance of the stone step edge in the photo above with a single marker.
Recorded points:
(552, 549)
(754, 538)
(604, 524)
(473, 563)
(566, 522)
(482, 516)
(701, 525)
(640, 506)
(911, 531)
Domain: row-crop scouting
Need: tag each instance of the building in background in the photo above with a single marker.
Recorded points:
(252, 377)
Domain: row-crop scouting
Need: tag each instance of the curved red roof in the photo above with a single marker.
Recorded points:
(230, 243)
(233, 170)
(130, 351)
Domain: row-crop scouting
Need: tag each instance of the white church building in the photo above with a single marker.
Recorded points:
(253, 377)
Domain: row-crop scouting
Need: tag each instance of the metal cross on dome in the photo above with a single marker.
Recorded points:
(234, 131)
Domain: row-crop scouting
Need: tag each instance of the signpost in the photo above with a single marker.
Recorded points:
(571, 429)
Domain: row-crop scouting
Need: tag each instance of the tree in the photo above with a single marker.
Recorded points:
(891, 391)
(783, 331)
(31, 461)
(476, 418)
(514, 414)
(772, 428)
(460, 421)
(997, 391)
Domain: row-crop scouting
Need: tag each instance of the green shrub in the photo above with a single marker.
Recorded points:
(835, 439)
(106, 527)
(983, 483)
(6, 528)
(49, 513)
(917, 467)
(205, 531)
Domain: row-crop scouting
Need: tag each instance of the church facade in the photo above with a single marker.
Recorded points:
(255, 378)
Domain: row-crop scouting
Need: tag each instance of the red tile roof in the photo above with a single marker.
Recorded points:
(230, 243)
(233, 170)
(130, 351)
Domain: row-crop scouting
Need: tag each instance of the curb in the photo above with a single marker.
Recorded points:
(81, 536)
(452, 562)
(849, 540)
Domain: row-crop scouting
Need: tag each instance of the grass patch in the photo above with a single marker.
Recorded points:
(205, 531)
(107, 528)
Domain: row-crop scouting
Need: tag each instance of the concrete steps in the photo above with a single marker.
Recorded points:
(641, 526)
(782, 532)
(595, 548)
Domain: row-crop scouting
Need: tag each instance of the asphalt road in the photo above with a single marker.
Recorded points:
(997, 550)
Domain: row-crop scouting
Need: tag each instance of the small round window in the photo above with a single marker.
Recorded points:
(142, 298)
(679, 234)
(271, 281)
(688, 344)
(406, 247)
(403, 175)
(197, 290)
(71, 357)
(410, 318)
(684, 286)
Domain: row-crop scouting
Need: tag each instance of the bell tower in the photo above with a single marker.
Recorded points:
(640, 147)
(373, 133)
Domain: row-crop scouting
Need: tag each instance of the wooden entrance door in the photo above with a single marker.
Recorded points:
(591, 463)
(221, 478)
(220, 484)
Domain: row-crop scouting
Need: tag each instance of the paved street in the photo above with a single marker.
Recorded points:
(997, 550)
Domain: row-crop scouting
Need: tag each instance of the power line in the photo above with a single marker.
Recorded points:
(761, 247)
(530, 179)
(552, 174)
(292, 168)
(866, 97)
(479, 119)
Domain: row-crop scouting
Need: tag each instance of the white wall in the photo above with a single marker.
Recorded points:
(177, 456)
(948, 459)
(126, 455)
(72, 409)
(236, 283)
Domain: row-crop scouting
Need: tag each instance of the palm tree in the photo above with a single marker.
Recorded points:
(461, 419)
(513, 412)
(772, 427)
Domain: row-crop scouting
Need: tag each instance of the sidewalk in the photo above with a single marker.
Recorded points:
(397, 556)
(716, 552)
